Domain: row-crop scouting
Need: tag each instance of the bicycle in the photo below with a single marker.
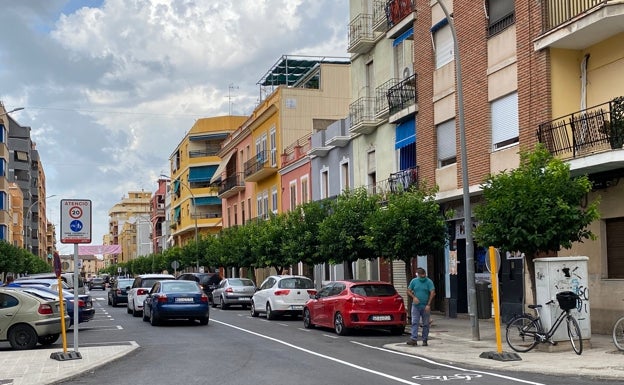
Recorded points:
(618, 334)
(524, 331)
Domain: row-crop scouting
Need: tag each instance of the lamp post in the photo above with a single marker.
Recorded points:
(470, 271)
(194, 209)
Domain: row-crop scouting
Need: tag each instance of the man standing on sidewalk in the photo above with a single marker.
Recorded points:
(422, 291)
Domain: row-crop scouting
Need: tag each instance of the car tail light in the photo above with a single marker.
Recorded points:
(81, 303)
(358, 301)
(229, 290)
(142, 292)
(204, 298)
(281, 292)
(312, 292)
(118, 291)
(45, 309)
(162, 298)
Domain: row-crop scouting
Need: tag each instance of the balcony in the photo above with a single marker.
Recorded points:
(402, 99)
(337, 134)
(400, 15)
(380, 17)
(259, 167)
(362, 116)
(403, 180)
(361, 36)
(381, 98)
(318, 147)
(231, 185)
(578, 24)
(591, 140)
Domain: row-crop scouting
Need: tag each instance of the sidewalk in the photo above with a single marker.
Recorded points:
(34, 367)
(450, 341)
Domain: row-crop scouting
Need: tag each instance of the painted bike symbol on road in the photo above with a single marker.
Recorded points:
(459, 376)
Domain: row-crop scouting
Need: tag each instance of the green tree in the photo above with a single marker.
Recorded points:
(411, 224)
(342, 233)
(269, 243)
(536, 208)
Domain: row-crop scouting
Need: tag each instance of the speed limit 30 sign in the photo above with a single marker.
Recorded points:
(75, 221)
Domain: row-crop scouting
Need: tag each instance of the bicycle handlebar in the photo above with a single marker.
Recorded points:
(550, 302)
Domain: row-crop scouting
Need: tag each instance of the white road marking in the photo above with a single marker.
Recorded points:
(330, 336)
(279, 323)
(446, 365)
(381, 374)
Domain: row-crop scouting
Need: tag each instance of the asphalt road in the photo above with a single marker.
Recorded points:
(235, 348)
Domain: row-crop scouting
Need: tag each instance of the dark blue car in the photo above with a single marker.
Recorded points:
(176, 299)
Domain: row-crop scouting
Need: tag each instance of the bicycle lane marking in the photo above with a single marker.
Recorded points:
(337, 360)
(449, 366)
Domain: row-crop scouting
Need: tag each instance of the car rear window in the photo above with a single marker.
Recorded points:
(241, 282)
(179, 286)
(295, 283)
(373, 290)
(149, 282)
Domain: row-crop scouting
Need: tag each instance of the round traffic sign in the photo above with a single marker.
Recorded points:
(75, 212)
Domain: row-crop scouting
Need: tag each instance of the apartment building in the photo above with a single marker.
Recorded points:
(129, 226)
(196, 208)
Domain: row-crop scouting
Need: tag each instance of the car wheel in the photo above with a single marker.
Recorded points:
(253, 311)
(49, 339)
(145, 317)
(307, 319)
(213, 304)
(22, 337)
(203, 321)
(223, 304)
(270, 314)
(153, 320)
(135, 313)
(339, 326)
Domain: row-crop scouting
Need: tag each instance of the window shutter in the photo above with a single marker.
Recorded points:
(446, 140)
(505, 120)
(443, 46)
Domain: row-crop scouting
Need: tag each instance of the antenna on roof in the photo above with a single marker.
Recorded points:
(230, 88)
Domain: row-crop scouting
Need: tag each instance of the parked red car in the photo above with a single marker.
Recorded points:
(344, 305)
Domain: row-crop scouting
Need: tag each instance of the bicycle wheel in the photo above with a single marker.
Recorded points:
(574, 332)
(521, 333)
(618, 334)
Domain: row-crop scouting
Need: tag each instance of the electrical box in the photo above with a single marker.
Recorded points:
(554, 275)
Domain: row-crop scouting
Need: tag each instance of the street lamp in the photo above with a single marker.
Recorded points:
(194, 207)
(13, 110)
(470, 272)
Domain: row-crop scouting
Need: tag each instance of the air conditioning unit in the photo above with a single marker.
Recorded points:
(407, 72)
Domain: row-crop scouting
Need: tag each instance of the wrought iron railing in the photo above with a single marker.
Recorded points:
(403, 94)
(381, 97)
(595, 129)
(557, 12)
(361, 28)
(361, 111)
(500, 25)
(403, 180)
(397, 10)
(234, 180)
(257, 163)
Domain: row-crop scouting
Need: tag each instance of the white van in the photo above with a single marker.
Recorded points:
(68, 278)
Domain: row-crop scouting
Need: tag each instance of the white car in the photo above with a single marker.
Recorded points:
(282, 294)
(140, 289)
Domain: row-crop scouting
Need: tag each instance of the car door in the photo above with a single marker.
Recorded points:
(132, 292)
(262, 295)
(216, 294)
(147, 305)
(333, 302)
(317, 311)
(9, 305)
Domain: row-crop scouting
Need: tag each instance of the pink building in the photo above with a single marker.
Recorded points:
(295, 174)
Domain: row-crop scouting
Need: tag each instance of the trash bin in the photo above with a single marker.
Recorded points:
(484, 300)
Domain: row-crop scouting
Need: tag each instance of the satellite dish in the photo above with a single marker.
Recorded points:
(498, 261)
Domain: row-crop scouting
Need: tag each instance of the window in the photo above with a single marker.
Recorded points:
(235, 208)
(274, 199)
(403, 48)
(505, 126)
(324, 184)
(501, 14)
(447, 150)
(265, 204)
(242, 205)
(344, 176)
(3, 133)
(615, 247)
(260, 206)
(443, 43)
(2, 167)
(273, 143)
(293, 195)
(261, 155)
(21, 156)
(304, 190)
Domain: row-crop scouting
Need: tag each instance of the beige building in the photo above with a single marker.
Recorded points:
(124, 217)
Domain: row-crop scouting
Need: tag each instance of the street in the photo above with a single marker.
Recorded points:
(235, 348)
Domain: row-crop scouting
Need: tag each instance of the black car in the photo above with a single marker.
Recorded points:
(97, 283)
(118, 293)
(207, 281)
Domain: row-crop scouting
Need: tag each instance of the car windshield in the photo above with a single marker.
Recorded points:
(374, 290)
(180, 287)
(240, 282)
(296, 283)
(124, 283)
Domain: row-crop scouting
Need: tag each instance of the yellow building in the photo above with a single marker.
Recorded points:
(195, 206)
(123, 218)
(16, 216)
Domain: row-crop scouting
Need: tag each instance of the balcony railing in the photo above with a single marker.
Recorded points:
(258, 167)
(231, 185)
(208, 151)
(596, 129)
(498, 26)
(557, 12)
(403, 180)
(362, 115)
(380, 16)
(361, 36)
(402, 95)
(397, 10)
(381, 98)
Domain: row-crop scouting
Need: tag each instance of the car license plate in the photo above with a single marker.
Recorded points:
(381, 318)
(243, 299)
(297, 307)
(180, 299)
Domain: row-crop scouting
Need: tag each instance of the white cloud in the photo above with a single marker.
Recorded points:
(110, 91)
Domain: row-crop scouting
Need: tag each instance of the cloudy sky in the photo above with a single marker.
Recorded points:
(110, 87)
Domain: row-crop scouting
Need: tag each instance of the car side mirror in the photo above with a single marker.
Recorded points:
(128, 288)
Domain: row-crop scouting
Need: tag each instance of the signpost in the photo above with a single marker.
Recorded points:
(75, 228)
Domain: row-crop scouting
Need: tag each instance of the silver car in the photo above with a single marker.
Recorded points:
(233, 291)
